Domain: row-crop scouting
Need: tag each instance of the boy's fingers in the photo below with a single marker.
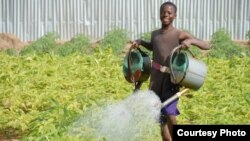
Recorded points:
(135, 45)
(184, 46)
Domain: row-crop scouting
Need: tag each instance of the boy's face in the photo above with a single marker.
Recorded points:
(167, 14)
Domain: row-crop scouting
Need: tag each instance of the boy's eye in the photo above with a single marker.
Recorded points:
(167, 12)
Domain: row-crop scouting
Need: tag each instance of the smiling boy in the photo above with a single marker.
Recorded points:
(162, 42)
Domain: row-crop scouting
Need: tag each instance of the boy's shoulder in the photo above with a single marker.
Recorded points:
(157, 31)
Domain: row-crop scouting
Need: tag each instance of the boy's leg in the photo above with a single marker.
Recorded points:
(167, 123)
(168, 119)
(171, 122)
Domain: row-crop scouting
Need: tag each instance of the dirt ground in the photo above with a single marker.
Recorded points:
(12, 137)
(11, 41)
(243, 43)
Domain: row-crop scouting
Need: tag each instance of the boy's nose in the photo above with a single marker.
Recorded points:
(165, 14)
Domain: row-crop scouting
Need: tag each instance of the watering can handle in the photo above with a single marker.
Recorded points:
(171, 56)
(191, 53)
(179, 47)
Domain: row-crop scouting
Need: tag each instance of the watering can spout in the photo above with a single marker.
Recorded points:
(174, 97)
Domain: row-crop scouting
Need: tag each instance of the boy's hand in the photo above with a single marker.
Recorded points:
(186, 44)
(136, 43)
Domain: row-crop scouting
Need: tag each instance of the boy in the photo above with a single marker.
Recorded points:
(163, 41)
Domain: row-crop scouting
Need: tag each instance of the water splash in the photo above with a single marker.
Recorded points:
(134, 118)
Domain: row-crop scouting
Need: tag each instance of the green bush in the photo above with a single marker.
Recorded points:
(78, 44)
(223, 46)
(44, 45)
(11, 52)
(115, 39)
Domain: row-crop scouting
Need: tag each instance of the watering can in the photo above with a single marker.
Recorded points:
(186, 70)
(136, 66)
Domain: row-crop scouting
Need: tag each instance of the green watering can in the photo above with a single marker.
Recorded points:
(136, 66)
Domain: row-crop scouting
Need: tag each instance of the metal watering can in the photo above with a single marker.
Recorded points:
(187, 70)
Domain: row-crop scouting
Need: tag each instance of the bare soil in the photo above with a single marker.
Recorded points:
(243, 43)
(8, 40)
(9, 135)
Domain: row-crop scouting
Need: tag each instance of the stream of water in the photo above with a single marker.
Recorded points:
(133, 118)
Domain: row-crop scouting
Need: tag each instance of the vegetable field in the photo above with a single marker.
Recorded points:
(42, 95)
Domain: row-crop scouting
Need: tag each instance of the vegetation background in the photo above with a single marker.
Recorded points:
(46, 85)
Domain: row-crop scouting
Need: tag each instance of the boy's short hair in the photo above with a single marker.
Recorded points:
(168, 3)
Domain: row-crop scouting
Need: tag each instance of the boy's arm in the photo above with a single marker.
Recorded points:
(187, 40)
(145, 44)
